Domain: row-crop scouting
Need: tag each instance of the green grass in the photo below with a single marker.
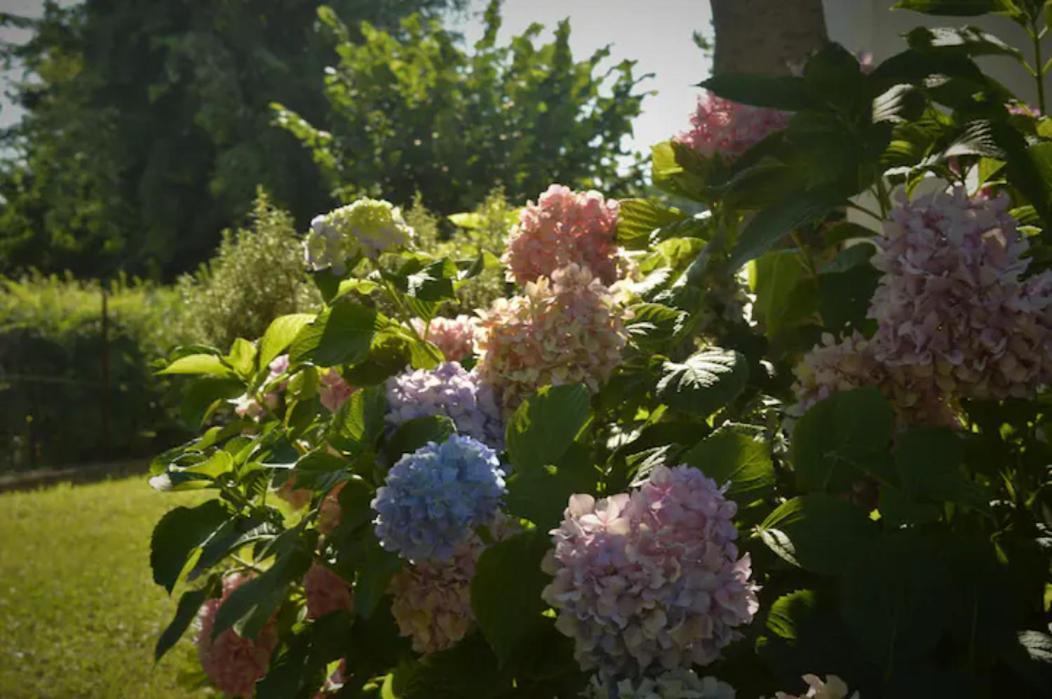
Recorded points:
(79, 612)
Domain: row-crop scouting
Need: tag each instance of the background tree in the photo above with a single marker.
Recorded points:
(764, 37)
(147, 130)
(416, 111)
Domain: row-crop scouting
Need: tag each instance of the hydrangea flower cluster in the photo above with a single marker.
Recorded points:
(431, 601)
(233, 663)
(433, 498)
(454, 336)
(833, 366)
(447, 390)
(564, 227)
(650, 579)
(952, 305)
(371, 226)
(566, 329)
(247, 405)
(720, 127)
(675, 684)
(329, 512)
(325, 591)
(832, 688)
(333, 391)
(956, 317)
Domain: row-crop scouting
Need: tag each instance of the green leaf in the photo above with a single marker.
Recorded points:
(770, 224)
(737, 455)
(506, 591)
(819, 532)
(418, 432)
(242, 357)
(677, 170)
(189, 604)
(774, 276)
(840, 438)
(375, 570)
(545, 425)
(198, 365)
(654, 324)
(360, 421)
(954, 8)
(707, 381)
(787, 610)
(928, 461)
(253, 603)
(434, 282)
(775, 91)
(638, 218)
(175, 537)
(341, 334)
(279, 335)
(541, 495)
(970, 41)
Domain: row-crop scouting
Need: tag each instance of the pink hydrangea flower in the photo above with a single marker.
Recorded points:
(326, 591)
(564, 227)
(832, 688)
(333, 391)
(566, 329)
(833, 366)
(431, 602)
(720, 127)
(953, 306)
(233, 663)
(454, 336)
(651, 579)
(329, 512)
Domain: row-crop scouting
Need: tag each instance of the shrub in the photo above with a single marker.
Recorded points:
(682, 506)
(256, 275)
(53, 402)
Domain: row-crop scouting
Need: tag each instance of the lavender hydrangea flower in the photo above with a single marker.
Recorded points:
(434, 498)
(652, 579)
(447, 390)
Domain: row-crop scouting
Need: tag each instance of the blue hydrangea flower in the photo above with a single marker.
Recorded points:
(435, 497)
(447, 390)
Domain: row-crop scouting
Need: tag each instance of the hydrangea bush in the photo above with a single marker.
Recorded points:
(802, 435)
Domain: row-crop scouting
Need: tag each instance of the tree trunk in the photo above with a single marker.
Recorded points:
(766, 36)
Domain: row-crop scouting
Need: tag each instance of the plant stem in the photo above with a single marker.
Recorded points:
(1039, 65)
(864, 210)
(808, 260)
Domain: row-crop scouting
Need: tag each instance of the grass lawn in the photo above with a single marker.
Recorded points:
(79, 612)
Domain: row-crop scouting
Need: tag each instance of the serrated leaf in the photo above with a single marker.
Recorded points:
(819, 532)
(279, 335)
(707, 381)
(545, 425)
(506, 591)
(189, 604)
(253, 603)
(768, 226)
(774, 91)
(341, 334)
(840, 438)
(783, 618)
(418, 432)
(199, 365)
(360, 421)
(736, 455)
(177, 534)
(638, 218)
(970, 41)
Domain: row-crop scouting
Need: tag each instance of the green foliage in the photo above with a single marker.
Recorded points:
(911, 560)
(54, 406)
(127, 102)
(255, 276)
(413, 110)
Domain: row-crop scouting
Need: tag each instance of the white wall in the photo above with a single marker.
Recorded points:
(869, 25)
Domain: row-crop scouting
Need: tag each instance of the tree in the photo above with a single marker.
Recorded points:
(147, 129)
(764, 37)
(416, 111)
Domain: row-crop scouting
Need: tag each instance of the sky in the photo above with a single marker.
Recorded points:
(657, 34)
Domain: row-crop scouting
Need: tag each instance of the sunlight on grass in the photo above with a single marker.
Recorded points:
(79, 612)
